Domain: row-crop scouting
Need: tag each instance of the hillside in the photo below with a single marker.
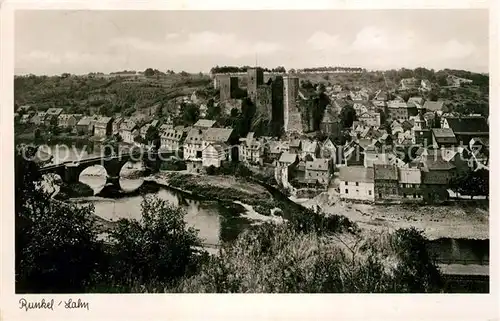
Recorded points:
(104, 94)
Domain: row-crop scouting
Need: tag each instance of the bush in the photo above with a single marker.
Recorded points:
(277, 259)
(158, 249)
(56, 243)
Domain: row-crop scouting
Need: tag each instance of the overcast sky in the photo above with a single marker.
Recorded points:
(53, 42)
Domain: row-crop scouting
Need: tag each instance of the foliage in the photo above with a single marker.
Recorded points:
(190, 113)
(276, 259)
(158, 248)
(56, 243)
(174, 165)
(347, 116)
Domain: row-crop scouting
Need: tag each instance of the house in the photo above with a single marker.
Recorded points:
(425, 85)
(204, 123)
(25, 109)
(466, 128)
(386, 182)
(171, 139)
(443, 137)
(436, 177)
(193, 144)
(214, 154)
(455, 81)
(128, 132)
(116, 125)
(353, 154)
(356, 183)
(407, 125)
(370, 119)
(310, 149)
(295, 146)
(103, 127)
(409, 83)
(433, 106)
(251, 150)
(318, 170)
(286, 166)
(68, 120)
(54, 111)
(85, 126)
(221, 136)
(194, 165)
(329, 150)
(373, 156)
(416, 102)
(399, 110)
(410, 180)
(39, 118)
(274, 149)
(52, 115)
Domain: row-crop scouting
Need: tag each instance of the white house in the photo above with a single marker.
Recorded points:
(213, 155)
(357, 183)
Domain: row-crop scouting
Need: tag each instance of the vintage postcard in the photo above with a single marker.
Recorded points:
(165, 149)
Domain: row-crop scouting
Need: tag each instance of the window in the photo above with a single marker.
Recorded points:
(346, 191)
(357, 184)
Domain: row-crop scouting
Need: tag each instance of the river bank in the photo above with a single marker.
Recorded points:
(223, 188)
(455, 221)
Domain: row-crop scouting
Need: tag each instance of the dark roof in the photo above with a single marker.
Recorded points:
(433, 105)
(356, 174)
(386, 172)
(437, 163)
(468, 124)
(318, 164)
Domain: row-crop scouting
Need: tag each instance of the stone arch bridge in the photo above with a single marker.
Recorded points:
(70, 171)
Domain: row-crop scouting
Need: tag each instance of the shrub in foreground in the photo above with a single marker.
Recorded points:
(278, 259)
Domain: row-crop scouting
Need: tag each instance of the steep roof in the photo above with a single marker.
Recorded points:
(103, 121)
(288, 158)
(410, 175)
(433, 105)
(172, 134)
(385, 172)
(217, 134)
(205, 123)
(320, 164)
(468, 124)
(195, 135)
(54, 111)
(356, 174)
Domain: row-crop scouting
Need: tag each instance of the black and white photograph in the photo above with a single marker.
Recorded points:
(262, 151)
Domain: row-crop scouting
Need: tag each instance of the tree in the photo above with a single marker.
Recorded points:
(347, 116)
(159, 248)
(153, 137)
(149, 72)
(190, 113)
(56, 243)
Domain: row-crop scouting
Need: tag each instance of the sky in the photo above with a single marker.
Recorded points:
(78, 42)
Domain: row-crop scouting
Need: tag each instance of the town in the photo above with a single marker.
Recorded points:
(398, 143)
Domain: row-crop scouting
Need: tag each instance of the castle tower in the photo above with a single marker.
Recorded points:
(227, 85)
(291, 113)
(255, 79)
(277, 105)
